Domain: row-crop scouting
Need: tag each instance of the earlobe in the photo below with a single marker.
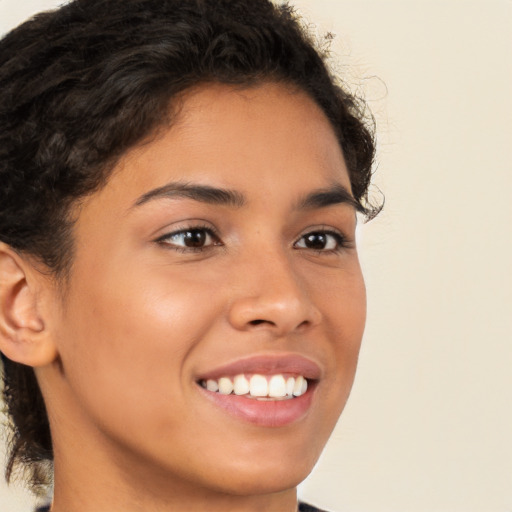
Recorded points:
(24, 337)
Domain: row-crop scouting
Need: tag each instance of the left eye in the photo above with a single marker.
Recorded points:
(320, 241)
(197, 238)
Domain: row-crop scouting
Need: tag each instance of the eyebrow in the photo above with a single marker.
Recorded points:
(202, 193)
(320, 198)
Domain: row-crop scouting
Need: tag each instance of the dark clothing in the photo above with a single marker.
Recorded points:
(304, 507)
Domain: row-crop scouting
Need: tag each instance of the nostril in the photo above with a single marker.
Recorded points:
(257, 322)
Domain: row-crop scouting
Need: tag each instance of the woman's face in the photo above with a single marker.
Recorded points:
(222, 248)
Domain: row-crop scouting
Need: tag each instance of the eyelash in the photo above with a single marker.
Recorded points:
(165, 239)
(340, 241)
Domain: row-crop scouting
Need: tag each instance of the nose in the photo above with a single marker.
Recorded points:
(272, 296)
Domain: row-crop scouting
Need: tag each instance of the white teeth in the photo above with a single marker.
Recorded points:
(277, 386)
(211, 385)
(289, 386)
(297, 387)
(225, 386)
(259, 386)
(241, 385)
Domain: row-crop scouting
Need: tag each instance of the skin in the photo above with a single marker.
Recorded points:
(142, 317)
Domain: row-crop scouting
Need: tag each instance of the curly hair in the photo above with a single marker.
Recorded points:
(82, 84)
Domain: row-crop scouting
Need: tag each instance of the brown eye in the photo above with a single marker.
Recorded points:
(315, 241)
(320, 241)
(194, 238)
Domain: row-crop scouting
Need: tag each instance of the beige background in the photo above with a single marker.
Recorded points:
(429, 423)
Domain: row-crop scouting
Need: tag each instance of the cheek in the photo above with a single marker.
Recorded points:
(343, 303)
(125, 343)
(340, 295)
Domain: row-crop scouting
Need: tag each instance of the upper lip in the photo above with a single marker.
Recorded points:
(267, 364)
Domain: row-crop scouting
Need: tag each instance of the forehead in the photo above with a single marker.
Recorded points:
(245, 139)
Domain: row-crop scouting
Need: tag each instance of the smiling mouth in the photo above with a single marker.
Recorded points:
(259, 387)
(268, 390)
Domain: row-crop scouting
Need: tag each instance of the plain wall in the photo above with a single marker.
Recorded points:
(429, 424)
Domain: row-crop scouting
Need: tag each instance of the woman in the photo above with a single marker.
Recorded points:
(181, 300)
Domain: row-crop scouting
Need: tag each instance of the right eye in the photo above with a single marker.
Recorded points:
(322, 240)
(191, 239)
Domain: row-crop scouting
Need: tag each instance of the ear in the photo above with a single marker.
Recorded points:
(24, 337)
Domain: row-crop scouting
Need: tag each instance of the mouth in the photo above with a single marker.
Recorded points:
(265, 391)
(259, 387)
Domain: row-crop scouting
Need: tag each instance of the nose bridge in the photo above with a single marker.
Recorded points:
(271, 294)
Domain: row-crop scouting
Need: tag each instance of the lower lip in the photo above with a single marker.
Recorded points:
(264, 413)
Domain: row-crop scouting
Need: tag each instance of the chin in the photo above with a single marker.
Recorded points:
(272, 472)
(260, 481)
